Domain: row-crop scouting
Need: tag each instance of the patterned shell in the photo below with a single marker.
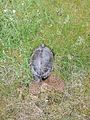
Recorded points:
(41, 62)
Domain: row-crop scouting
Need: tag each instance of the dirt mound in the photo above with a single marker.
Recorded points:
(52, 83)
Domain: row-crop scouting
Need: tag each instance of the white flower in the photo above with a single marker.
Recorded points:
(80, 40)
(5, 10)
(14, 11)
(69, 57)
(22, 3)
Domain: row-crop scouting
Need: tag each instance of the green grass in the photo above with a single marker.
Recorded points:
(61, 25)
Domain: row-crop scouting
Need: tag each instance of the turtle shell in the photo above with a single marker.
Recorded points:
(41, 62)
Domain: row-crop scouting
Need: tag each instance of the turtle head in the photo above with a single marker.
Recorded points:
(42, 45)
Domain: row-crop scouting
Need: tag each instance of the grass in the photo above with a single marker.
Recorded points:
(61, 25)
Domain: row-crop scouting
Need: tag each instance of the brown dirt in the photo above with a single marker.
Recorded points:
(52, 83)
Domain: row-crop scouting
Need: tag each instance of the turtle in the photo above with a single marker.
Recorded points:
(41, 62)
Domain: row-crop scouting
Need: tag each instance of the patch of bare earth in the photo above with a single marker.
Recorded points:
(49, 100)
(50, 84)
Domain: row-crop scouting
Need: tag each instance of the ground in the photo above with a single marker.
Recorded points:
(64, 27)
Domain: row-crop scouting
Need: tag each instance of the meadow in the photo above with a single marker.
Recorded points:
(64, 26)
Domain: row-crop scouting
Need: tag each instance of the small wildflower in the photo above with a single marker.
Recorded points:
(69, 57)
(22, 3)
(38, 11)
(5, 10)
(14, 11)
(80, 40)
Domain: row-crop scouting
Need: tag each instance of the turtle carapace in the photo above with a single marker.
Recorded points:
(41, 62)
